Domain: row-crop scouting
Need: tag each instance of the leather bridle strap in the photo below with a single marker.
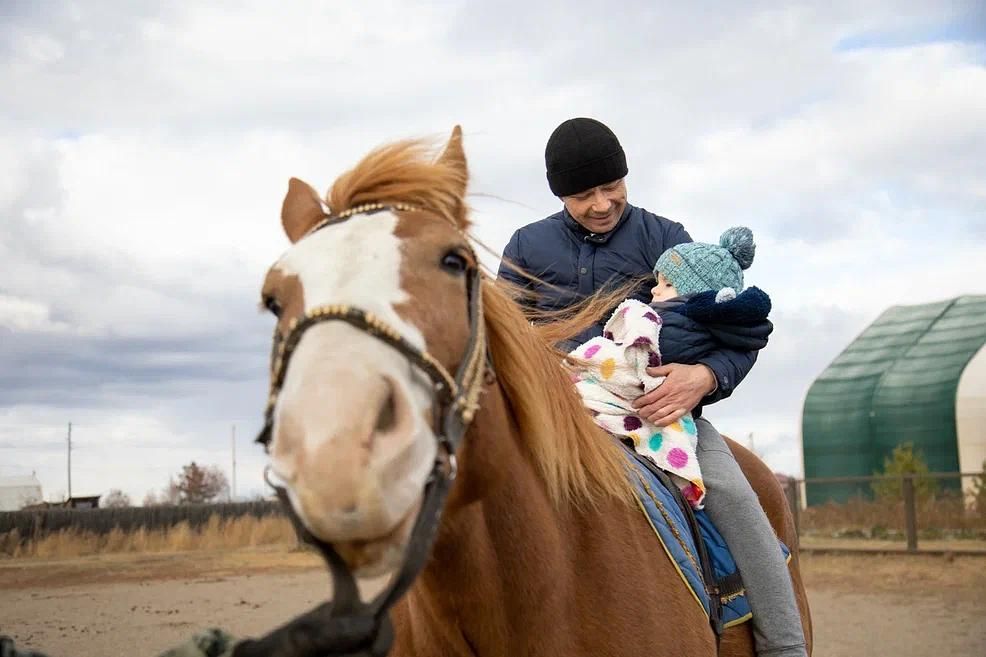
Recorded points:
(346, 626)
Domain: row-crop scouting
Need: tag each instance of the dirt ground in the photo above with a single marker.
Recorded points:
(132, 605)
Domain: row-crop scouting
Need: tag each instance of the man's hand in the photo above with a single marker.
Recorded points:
(682, 390)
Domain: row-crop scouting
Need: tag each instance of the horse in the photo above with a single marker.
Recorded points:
(540, 548)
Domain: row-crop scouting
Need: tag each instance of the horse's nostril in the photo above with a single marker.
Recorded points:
(387, 417)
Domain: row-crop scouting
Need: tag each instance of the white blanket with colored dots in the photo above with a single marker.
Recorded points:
(610, 372)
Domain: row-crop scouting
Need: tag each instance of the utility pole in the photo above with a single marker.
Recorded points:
(232, 495)
(70, 460)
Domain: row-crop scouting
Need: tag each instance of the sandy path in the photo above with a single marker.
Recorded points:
(857, 624)
(862, 605)
(132, 618)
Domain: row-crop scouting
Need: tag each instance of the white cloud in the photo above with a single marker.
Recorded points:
(18, 314)
(902, 126)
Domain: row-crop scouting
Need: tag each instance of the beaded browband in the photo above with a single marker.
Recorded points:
(458, 395)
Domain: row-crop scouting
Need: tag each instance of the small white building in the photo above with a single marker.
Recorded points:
(18, 492)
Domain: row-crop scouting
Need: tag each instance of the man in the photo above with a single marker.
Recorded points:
(599, 241)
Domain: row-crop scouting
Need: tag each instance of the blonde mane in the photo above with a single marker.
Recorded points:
(578, 463)
(403, 172)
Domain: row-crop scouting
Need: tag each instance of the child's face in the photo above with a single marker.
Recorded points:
(663, 290)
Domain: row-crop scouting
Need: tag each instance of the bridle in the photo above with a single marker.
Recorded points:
(346, 625)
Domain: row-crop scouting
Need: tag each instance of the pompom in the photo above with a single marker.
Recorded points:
(725, 294)
(739, 242)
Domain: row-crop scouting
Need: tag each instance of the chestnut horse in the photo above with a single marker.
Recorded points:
(541, 548)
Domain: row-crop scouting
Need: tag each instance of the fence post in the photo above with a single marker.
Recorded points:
(910, 512)
(797, 508)
(793, 494)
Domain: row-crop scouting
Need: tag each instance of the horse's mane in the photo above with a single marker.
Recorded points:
(403, 172)
(577, 461)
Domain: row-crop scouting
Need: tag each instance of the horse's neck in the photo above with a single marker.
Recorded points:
(500, 533)
(502, 501)
(511, 573)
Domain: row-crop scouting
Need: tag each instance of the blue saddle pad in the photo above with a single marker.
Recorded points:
(669, 524)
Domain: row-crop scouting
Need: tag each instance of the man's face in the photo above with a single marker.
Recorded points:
(600, 208)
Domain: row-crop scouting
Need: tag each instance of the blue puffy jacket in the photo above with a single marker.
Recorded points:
(576, 263)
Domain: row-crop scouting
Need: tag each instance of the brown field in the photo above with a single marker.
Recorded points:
(138, 604)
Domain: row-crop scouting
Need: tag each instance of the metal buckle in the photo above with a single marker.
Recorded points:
(267, 478)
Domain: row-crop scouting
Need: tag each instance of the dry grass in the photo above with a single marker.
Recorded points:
(939, 517)
(245, 531)
(156, 567)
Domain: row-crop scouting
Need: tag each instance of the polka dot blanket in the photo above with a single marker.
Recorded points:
(611, 371)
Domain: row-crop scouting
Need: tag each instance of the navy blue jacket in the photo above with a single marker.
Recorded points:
(695, 327)
(575, 263)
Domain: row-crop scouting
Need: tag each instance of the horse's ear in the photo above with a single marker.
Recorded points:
(301, 209)
(454, 157)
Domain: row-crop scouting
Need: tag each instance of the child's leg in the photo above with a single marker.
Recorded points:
(734, 508)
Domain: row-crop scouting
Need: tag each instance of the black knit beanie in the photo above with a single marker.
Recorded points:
(581, 154)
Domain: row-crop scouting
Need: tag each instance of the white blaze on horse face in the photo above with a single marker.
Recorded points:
(351, 439)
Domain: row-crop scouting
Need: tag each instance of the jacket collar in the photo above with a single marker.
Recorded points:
(670, 304)
(595, 238)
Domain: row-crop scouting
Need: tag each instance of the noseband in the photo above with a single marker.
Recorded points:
(346, 625)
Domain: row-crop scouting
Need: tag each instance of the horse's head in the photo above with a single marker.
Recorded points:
(352, 424)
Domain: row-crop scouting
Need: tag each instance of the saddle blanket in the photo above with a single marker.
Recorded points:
(671, 528)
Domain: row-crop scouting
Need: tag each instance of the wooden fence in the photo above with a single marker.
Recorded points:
(937, 511)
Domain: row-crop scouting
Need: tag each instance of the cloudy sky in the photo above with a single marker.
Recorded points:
(145, 151)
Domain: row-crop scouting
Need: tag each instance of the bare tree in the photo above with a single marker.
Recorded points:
(170, 495)
(151, 499)
(197, 484)
(115, 499)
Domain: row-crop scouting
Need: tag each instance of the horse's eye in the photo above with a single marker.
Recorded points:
(455, 263)
(271, 304)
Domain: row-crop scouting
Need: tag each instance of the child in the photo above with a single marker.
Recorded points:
(698, 306)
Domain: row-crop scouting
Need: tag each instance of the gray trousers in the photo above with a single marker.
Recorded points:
(734, 508)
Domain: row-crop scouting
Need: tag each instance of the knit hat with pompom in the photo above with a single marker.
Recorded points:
(695, 267)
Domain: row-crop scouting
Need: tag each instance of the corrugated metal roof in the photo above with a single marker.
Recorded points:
(895, 383)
